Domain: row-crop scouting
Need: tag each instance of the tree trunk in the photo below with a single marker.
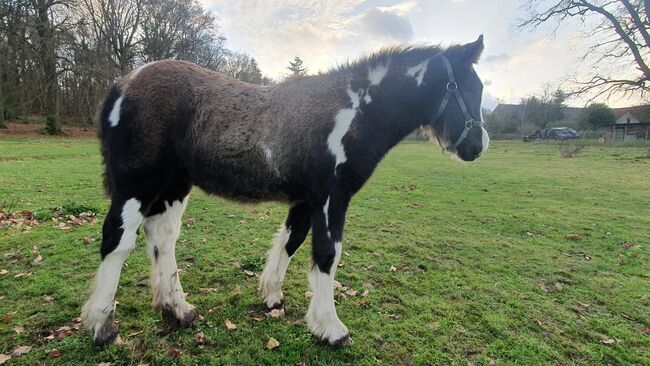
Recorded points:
(2, 96)
(47, 56)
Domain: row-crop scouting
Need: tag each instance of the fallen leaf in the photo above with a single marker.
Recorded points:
(87, 239)
(8, 316)
(249, 273)
(230, 325)
(645, 330)
(175, 352)
(50, 337)
(364, 293)
(276, 313)
(351, 292)
(361, 303)
(104, 364)
(204, 239)
(257, 318)
(4, 358)
(392, 269)
(309, 294)
(54, 353)
(3, 271)
(20, 350)
(573, 236)
(200, 337)
(551, 288)
(38, 260)
(76, 320)
(272, 343)
(539, 322)
(190, 222)
(19, 329)
(607, 340)
(337, 284)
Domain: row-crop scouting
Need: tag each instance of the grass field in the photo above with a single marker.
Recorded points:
(482, 269)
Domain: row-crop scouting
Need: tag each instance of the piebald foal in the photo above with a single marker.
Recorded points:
(311, 142)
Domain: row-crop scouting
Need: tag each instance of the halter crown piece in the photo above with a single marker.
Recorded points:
(452, 89)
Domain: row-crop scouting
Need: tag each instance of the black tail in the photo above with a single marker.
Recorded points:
(104, 135)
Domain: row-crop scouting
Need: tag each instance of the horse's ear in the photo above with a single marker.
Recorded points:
(472, 51)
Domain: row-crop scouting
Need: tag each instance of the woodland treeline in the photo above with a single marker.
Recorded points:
(59, 57)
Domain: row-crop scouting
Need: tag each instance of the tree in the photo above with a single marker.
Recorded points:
(296, 67)
(242, 67)
(47, 58)
(598, 115)
(545, 108)
(619, 46)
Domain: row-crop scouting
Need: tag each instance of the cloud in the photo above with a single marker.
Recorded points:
(388, 25)
(496, 58)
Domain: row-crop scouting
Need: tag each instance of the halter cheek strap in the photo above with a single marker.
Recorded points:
(452, 89)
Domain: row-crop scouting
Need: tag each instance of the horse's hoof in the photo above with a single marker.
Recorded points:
(277, 305)
(342, 342)
(106, 335)
(188, 319)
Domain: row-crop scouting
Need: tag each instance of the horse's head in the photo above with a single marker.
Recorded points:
(456, 118)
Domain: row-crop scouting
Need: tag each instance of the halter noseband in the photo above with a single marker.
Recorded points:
(452, 89)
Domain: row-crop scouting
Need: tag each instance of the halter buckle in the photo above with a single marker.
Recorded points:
(469, 123)
(452, 86)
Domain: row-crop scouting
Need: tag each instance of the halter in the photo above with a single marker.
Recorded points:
(452, 89)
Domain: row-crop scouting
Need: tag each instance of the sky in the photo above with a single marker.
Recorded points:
(325, 33)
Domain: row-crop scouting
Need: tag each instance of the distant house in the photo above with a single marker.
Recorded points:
(506, 112)
(632, 123)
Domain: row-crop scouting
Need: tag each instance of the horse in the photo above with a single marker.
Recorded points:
(310, 142)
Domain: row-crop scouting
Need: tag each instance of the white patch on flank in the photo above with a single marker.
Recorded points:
(98, 308)
(418, 71)
(485, 141)
(321, 316)
(277, 262)
(162, 231)
(376, 74)
(114, 117)
(342, 123)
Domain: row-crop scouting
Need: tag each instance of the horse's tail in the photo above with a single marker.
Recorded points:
(104, 134)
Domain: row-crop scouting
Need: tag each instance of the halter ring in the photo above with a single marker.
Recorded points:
(452, 86)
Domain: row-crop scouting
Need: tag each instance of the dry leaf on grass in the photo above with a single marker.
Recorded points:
(19, 329)
(351, 292)
(551, 288)
(364, 293)
(54, 353)
(38, 260)
(272, 343)
(104, 364)
(20, 350)
(175, 352)
(309, 294)
(230, 325)
(199, 337)
(607, 340)
(573, 236)
(3, 271)
(4, 358)
(249, 273)
(276, 313)
(392, 269)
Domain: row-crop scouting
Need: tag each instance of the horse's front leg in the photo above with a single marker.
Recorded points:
(327, 231)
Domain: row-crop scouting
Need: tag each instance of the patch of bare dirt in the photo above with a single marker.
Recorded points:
(35, 130)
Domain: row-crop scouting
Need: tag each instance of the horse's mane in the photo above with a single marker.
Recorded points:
(411, 54)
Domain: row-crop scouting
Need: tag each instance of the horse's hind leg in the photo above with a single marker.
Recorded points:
(162, 227)
(288, 239)
(119, 235)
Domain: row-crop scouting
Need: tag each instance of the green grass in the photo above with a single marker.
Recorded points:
(473, 245)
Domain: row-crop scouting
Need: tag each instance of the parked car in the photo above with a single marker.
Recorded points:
(554, 133)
